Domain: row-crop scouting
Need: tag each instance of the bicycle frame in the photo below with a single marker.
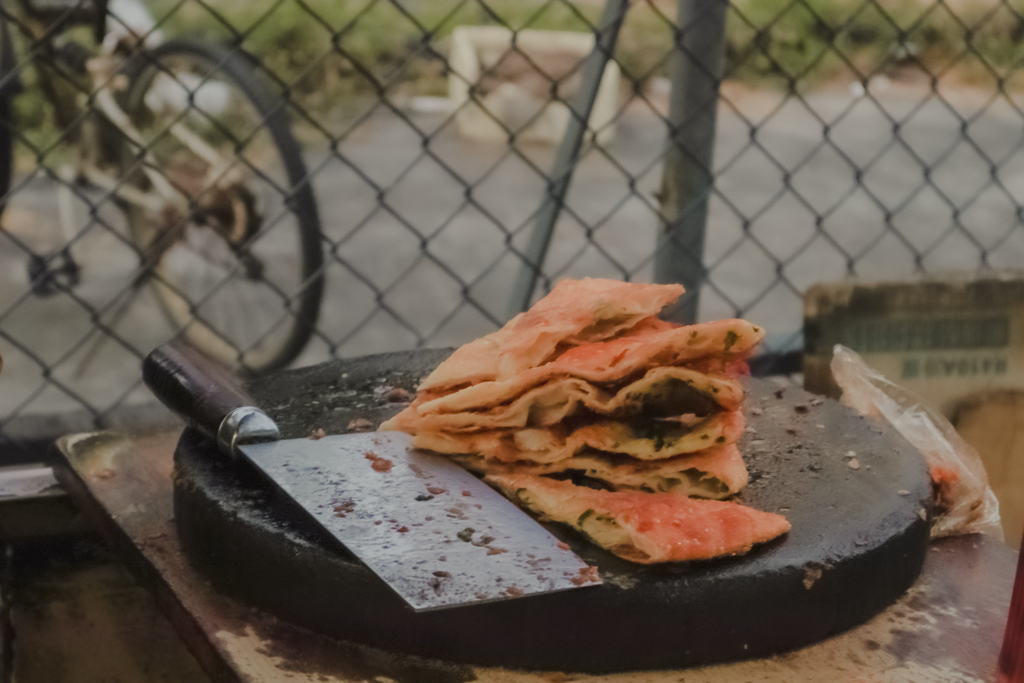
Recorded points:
(145, 122)
(72, 95)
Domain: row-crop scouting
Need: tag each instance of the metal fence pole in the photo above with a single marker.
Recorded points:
(581, 105)
(687, 178)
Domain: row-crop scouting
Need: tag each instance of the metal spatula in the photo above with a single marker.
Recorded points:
(437, 535)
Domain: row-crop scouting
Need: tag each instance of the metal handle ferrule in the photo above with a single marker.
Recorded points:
(245, 425)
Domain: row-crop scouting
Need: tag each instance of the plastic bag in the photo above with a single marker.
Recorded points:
(964, 502)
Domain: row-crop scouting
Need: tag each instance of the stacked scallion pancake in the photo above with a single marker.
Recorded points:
(588, 399)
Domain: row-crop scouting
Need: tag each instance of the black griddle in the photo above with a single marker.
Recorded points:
(856, 493)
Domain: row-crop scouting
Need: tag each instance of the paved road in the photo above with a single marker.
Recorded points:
(789, 211)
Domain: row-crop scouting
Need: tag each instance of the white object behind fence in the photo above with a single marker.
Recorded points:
(521, 82)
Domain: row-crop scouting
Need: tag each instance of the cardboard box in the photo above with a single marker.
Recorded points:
(943, 338)
(956, 341)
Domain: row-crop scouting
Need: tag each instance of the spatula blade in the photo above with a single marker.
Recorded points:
(437, 535)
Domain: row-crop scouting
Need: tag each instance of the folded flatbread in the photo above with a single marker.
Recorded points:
(714, 473)
(646, 527)
(574, 312)
(590, 386)
(662, 392)
(604, 363)
(644, 439)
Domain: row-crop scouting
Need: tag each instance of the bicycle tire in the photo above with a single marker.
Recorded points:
(303, 310)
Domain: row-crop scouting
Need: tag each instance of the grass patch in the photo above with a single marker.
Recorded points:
(801, 44)
(326, 53)
(327, 50)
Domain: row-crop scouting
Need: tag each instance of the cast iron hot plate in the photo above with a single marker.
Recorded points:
(855, 492)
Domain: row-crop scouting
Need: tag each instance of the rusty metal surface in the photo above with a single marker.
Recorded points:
(946, 628)
(78, 616)
(33, 505)
(123, 484)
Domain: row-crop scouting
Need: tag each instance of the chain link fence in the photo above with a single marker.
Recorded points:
(343, 178)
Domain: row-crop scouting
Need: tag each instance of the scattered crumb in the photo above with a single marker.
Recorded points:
(756, 411)
(467, 493)
(398, 395)
(853, 464)
(379, 464)
(513, 591)
(442, 574)
(402, 529)
(812, 572)
(586, 575)
(563, 545)
(360, 424)
(105, 473)
(491, 550)
(790, 430)
(344, 507)
(801, 408)
(436, 490)
(923, 514)
(903, 492)
(455, 513)
(317, 434)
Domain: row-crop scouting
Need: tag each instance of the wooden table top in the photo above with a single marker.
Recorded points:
(947, 628)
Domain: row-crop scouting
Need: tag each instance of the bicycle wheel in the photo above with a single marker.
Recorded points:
(220, 206)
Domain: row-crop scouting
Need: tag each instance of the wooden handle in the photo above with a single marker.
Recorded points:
(193, 386)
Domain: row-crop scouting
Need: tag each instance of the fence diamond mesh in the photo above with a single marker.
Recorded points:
(288, 181)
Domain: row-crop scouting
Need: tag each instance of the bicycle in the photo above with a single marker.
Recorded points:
(198, 154)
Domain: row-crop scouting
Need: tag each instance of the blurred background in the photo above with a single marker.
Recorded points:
(286, 182)
(447, 160)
